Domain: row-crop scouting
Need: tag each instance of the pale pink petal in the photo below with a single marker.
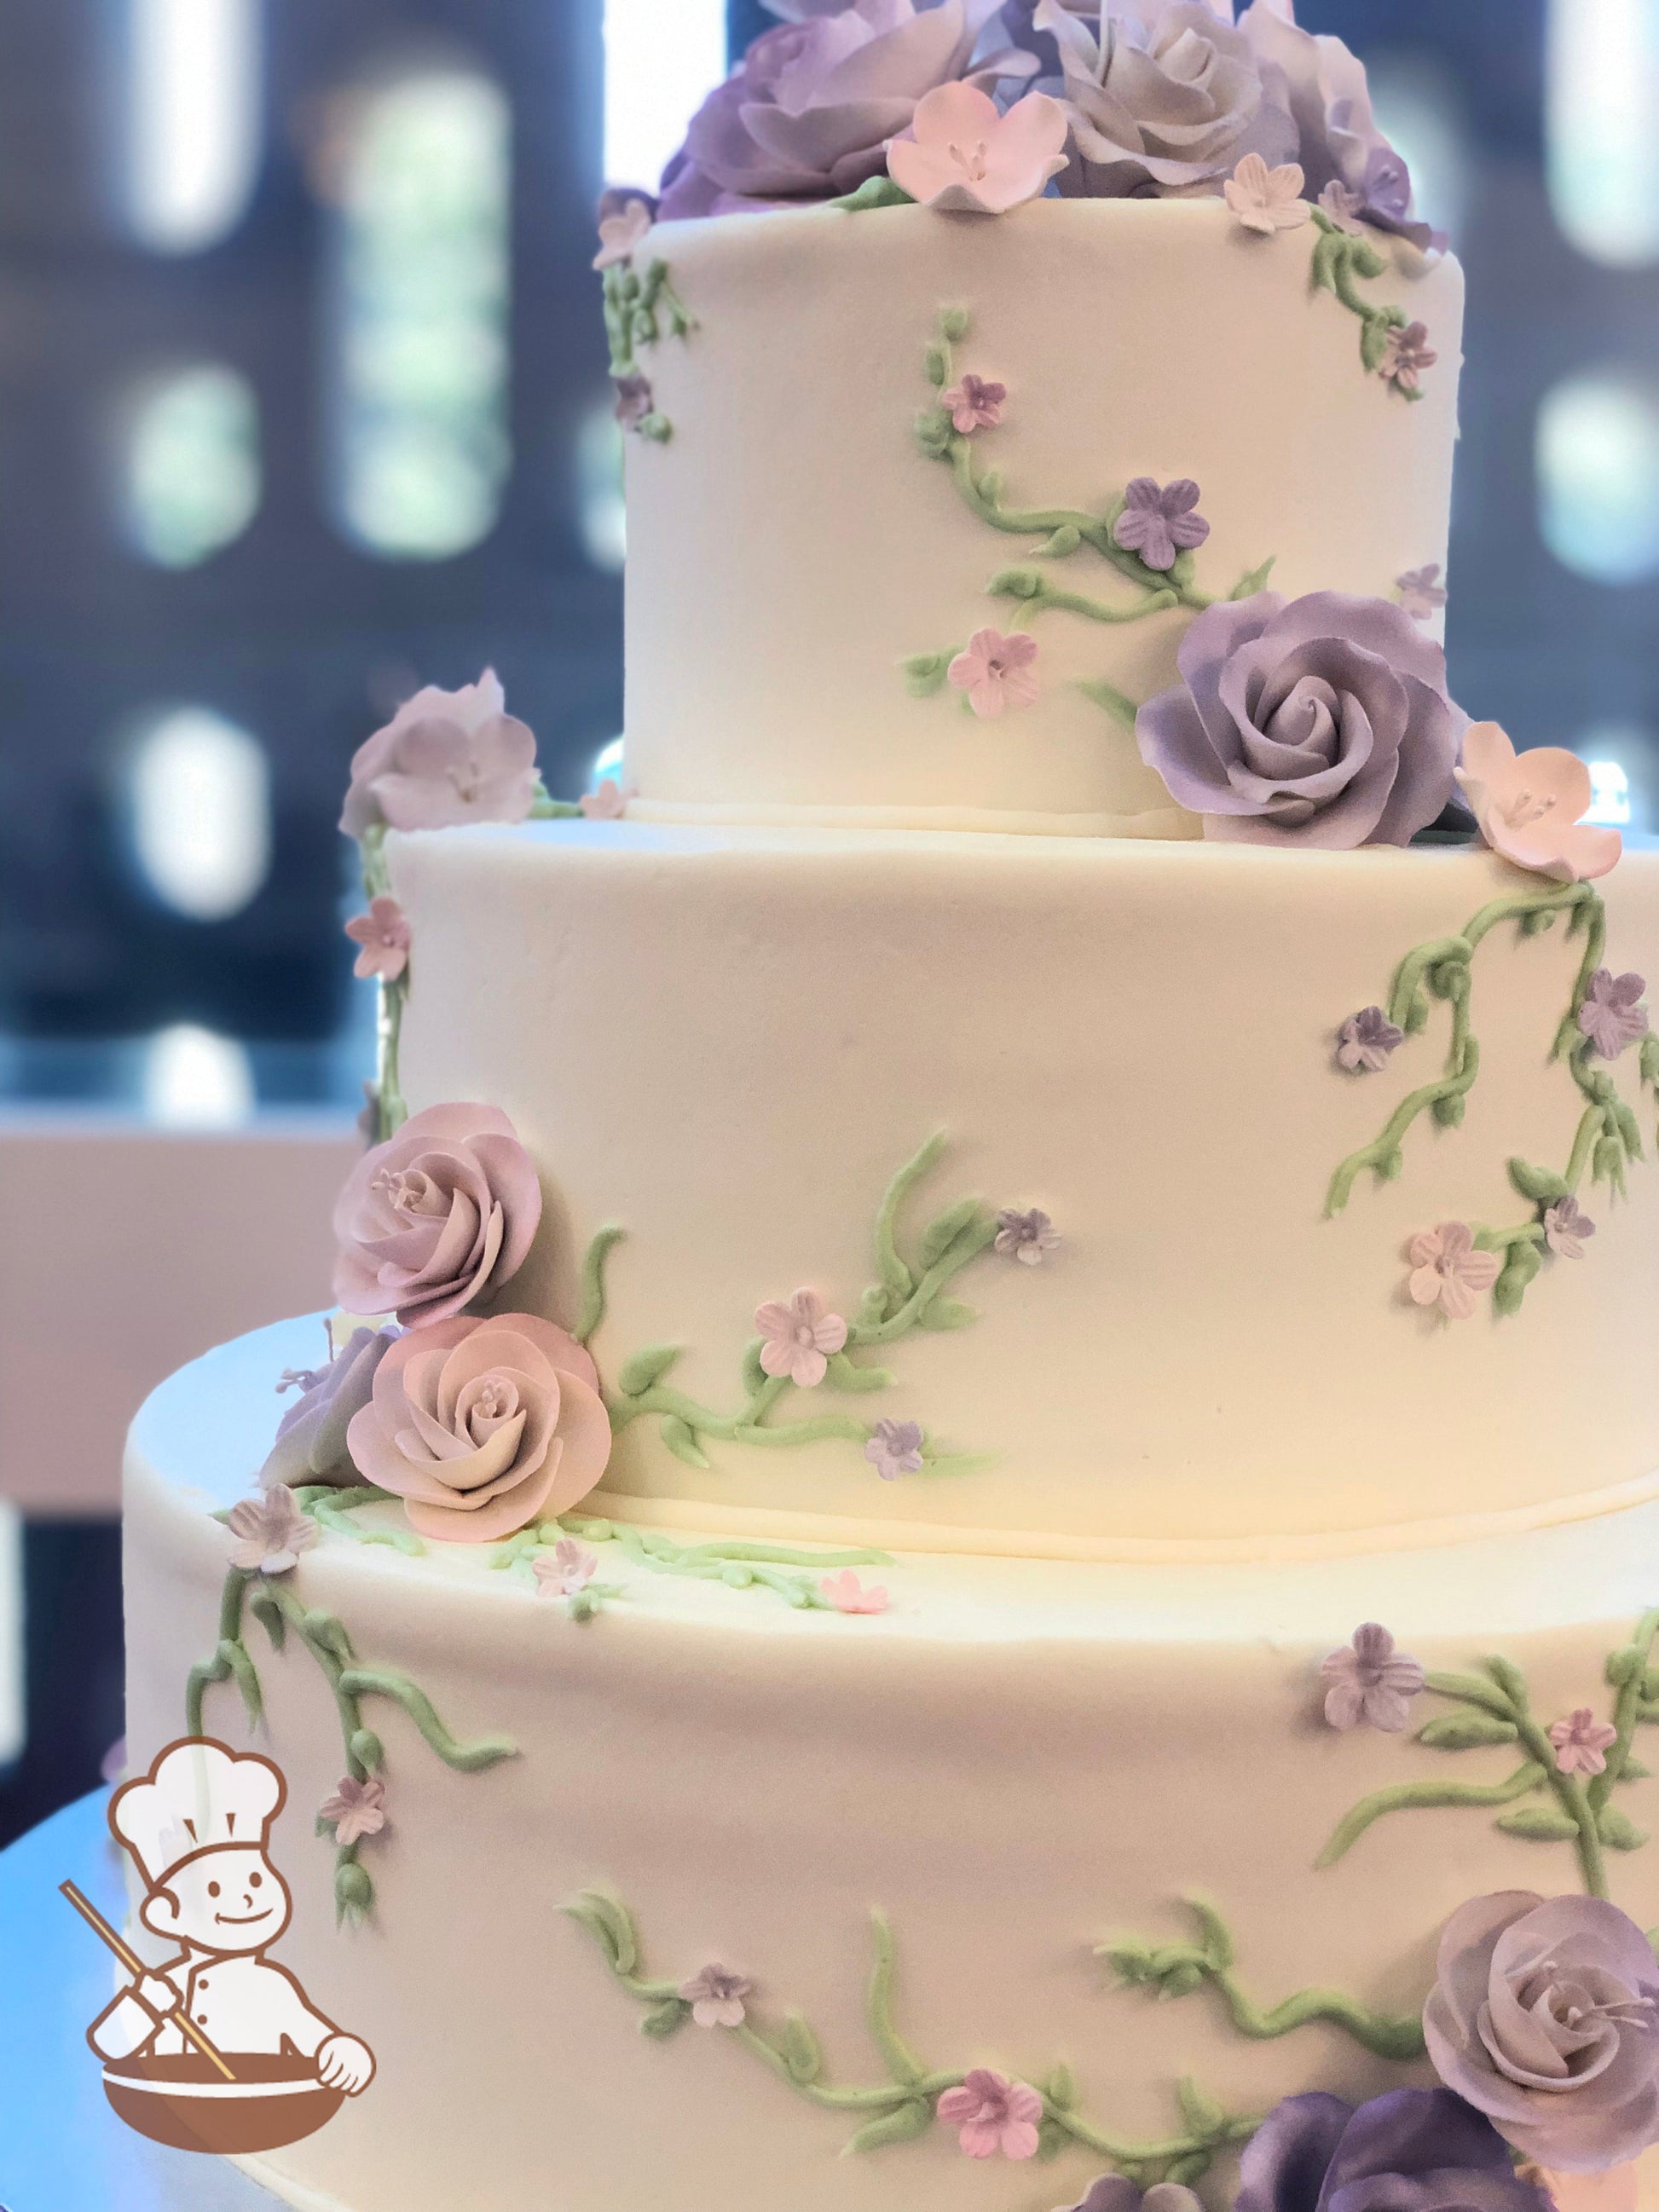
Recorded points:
(1424, 1285)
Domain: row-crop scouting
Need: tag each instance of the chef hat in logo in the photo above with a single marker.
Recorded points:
(197, 1797)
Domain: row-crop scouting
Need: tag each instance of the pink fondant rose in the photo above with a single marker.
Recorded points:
(482, 1426)
(440, 1214)
(445, 758)
(966, 155)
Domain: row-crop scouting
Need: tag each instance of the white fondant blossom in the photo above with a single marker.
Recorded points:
(355, 1810)
(271, 1532)
(1447, 1272)
(797, 1339)
(1029, 1237)
(1266, 200)
(715, 1996)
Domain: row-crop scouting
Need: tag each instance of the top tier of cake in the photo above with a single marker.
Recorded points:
(792, 545)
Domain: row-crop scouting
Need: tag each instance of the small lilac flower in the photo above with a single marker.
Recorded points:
(356, 1809)
(1343, 205)
(1365, 1039)
(976, 404)
(1371, 1682)
(1566, 1228)
(1612, 1016)
(847, 1594)
(568, 1572)
(606, 802)
(997, 672)
(1406, 356)
(1582, 1742)
(1158, 521)
(991, 2114)
(271, 1532)
(1266, 200)
(383, 934)
(799, 1338)
(1422, 594)
(895, 1449)
(1029, 1237)
(1447, 1271)
(715, 1996)
(636, 401)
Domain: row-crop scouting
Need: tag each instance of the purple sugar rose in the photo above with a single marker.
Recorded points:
(1412, 2150)
(808, 112)
(311, 1436)
(1115, 2192)
(1160, 521)
(1324, 721)
(1545, 2017)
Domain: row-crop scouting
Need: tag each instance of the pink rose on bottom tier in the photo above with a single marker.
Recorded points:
(482, 1426)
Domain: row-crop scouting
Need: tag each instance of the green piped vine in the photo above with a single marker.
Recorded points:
(905, 2105)
(738, 1565)
(1340, 257)
(912, 1292)
(1492, 1709)
(1607, 1138)
(1065, 532)
(640, 308)
(1177, 1969)
(277, 1608)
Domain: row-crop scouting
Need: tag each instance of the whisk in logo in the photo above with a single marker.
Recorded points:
(217, 2048)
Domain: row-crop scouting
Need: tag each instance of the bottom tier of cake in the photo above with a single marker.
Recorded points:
(963, 1830)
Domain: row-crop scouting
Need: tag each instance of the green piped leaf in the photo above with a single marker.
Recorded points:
(661, 2022)
(846, 1374)
(1618, 1831)
(937, 365)
(901, 2126)
(1374, 342)
(1061, 2088)
(1519, 1267)
(945, 1314)
(873, 192)
(1647, 1059)
(610, 1924)
(637, 1375)
(591, 1312)
(1018, 584)
(1541, 1185)
(269, 1614)
(681, 1439)
(1466, 1731)
(1248, 586)
(925, 673)
(1540, 1824)
(934, 432)
(235, 1655)
(1122, 709)
(942, 1231)
(800, 2050)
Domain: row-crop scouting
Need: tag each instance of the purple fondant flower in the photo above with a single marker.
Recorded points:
(1158, 521)
(355, 1810)
(797, 1339)
(1029, 1237)
(1343, 205)
(1405, 356)
(1365, 1039)
(383, 934)
(271, 1532)
(976, 404)
(445, 758)
(636, 401)
(1115, 2192)
(1411, 2150)
(1171, 98)
(1266, 200)
(1323, 722)
(1372, 1682)
(1612, 1015)
(1545, 2017)
(567, 1571)
(1567, 1227)
(810, 110)
(992, 2115)
(311, 1436)
(997, 672)
(1447, 1271)
(895, 1449)
(716, 1996)
(1582, 1742)
(1422, 594)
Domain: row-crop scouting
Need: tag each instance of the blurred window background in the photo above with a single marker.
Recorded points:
(303, 402)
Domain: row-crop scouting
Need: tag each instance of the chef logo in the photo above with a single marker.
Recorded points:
(218, 2048)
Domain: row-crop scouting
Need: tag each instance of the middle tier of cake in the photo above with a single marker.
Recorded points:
(738, 1045)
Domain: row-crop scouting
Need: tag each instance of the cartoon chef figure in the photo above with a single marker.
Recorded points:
(195, 1827)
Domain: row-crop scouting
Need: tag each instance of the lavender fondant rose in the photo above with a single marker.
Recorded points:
(1323, 722)
(1412, 2150)
(808, 112)
(442, 1213)
(1545, 2016)
(311, 1436)
(1169, 98)
(445, 758)
(482, 1426)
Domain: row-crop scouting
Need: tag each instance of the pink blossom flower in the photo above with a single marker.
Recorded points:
(1447, 1271)
(1566, 1228)
(1530, 807)
(715, 1996)
(1582, 1742)
(271, 1532)
(848, 1593)
(798, 1338)
(569, 1570)
(974, 404)
(383, 934)
(606, 802)
(445, 758)
(1612, 1015)
(1406, 356)
(356, 1809)
(623, 232)
(1371, 1682)
(962, 154)
(993, 2114)
(997, 671)
(1422, 594)
(1266, 200)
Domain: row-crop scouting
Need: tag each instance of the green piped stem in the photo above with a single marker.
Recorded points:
(1627, 1713)
(905, 2105)
(738, 1565)
(1339, 257)
(485, 1751)
(1403, 1796)
(637, 307)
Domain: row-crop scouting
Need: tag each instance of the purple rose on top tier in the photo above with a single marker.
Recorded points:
(1412, 2150)
(1321, 721)
(808, 112)
(1545, 2016)
(311, 1436)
